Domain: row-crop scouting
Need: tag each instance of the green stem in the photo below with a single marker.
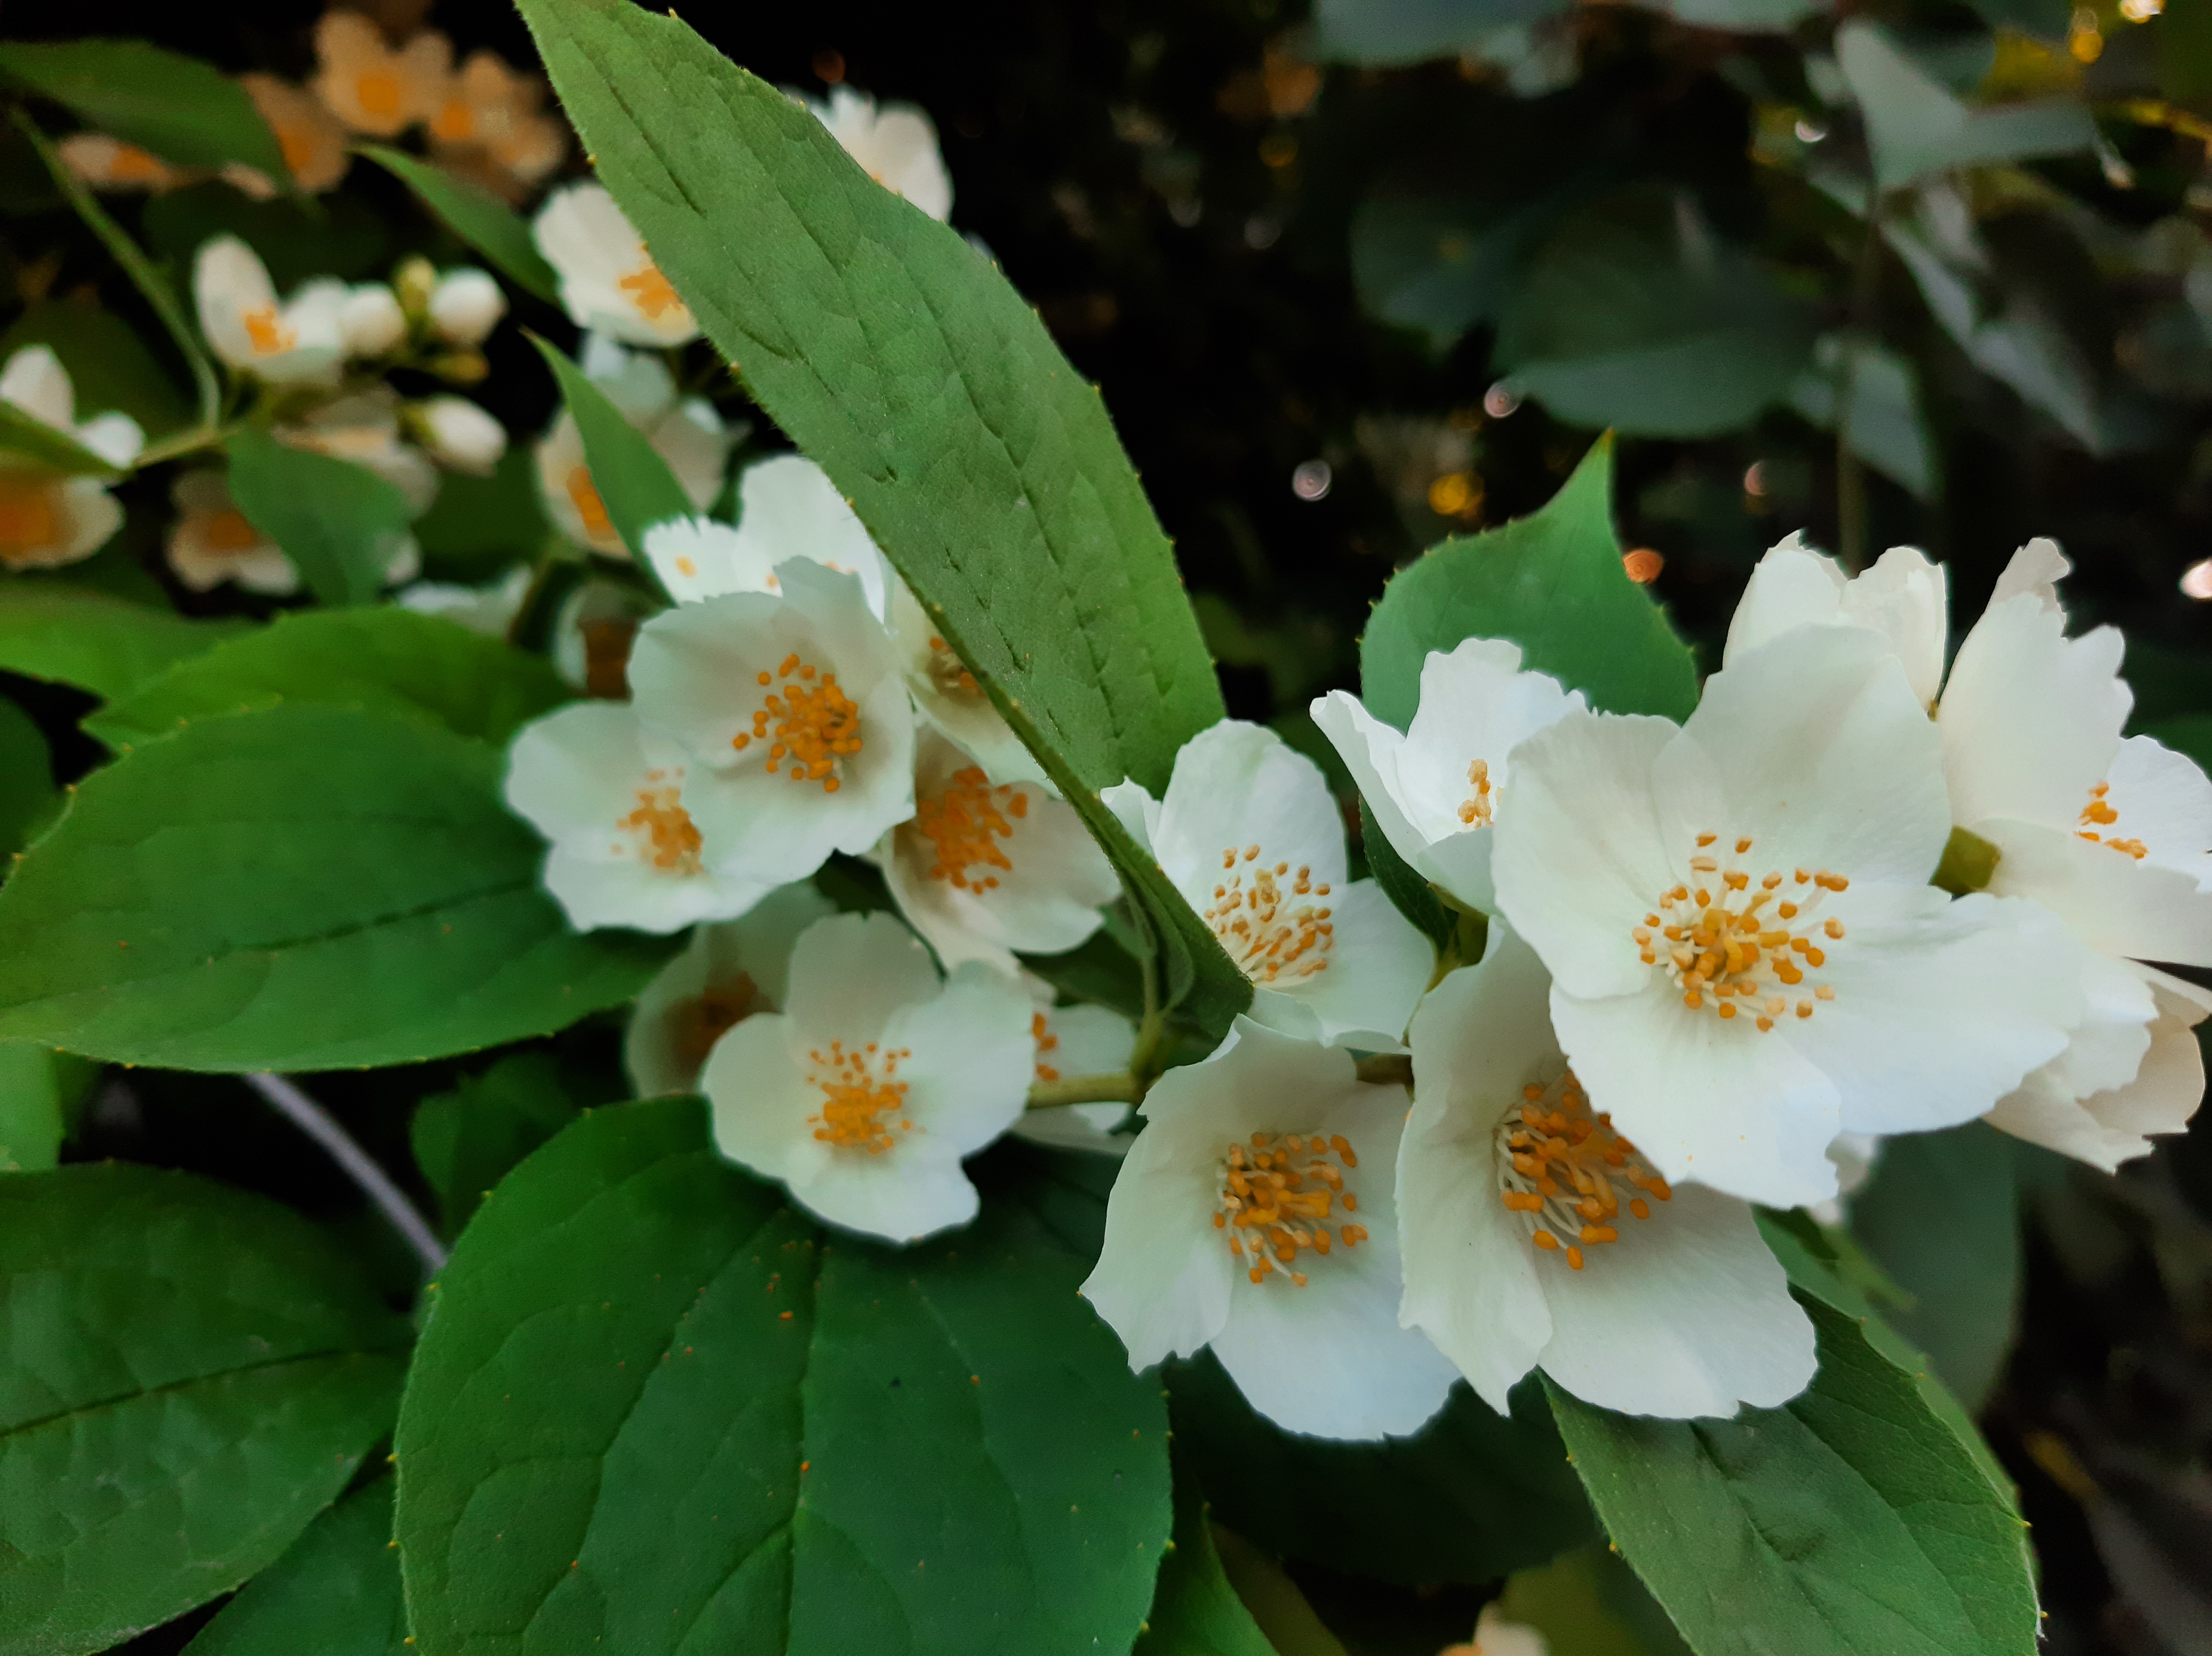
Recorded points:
(184, 442)
(1121, 1086)
(1851, 475)
(142, 275)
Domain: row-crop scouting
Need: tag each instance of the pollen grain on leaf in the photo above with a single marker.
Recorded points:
(864, 1103)
(806, 721)
(1269, 917)
(1278, 1196)
(1742, 944)
(1563, 1170)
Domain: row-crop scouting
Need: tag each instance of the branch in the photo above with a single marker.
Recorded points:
(319, 1124)
(1118, 1087)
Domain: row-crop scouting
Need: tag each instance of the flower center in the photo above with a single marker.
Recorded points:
(454, 122)
(1277, 1194)
(694, 1026)
(28, 519)
(268, 331)
(298, 147)
(229, 531)
(948, 673)
(379, 91)
(1732, 938)
(1561, 1168)
(964, 824)
(1257, 917)
(651, 292)
(662, 829)
(861, 1109)
(813, 724)
(1480, 808)
(583, 495)
(1047, 1045)
(131, 164)
(2101, 813)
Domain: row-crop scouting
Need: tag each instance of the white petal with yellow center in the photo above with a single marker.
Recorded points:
(609, 282)
(298, 341)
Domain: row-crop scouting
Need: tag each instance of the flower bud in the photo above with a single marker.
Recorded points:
(466, 306)
(460, 434)
(370, 322)
(460, 368)
(414, 280)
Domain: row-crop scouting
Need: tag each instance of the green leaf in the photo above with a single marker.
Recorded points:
(72, 635)
(1915, 126)
(2190, 733)
(1589, 1603)
(480, 528)
(336, 1593)
(388, 659)
(188, 1373)
(38, 1087)
(980, 462)
(477, 216)
(1195, 1612)
(654, 1409)
(1888, 429)
(339, 522)
(27, 779)
(1442, 264)
(1942, 1216)
(1414, 897)
(30, 444)
(109, 366)
(1631, 314)
(466, 1140)
(1552, 582)
(186, 112)
(306, 887)
(1850, 1522)
(338, 234)
(634, 483)
(1472, 1496)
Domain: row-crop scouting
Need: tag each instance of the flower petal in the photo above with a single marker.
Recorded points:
(850, 974)
(2030, 719)
(970, 1058)
(1236, 786)
(1377, 964)
(2144, 909)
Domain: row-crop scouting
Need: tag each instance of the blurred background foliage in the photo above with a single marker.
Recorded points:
(1359, 277)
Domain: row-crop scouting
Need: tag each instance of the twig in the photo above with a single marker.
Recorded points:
(1120, 1087)
(319, 1124)
(1851, 474)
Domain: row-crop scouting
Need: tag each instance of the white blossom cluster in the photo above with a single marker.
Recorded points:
(1715, 955)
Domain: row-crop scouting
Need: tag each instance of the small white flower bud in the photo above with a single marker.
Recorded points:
(414, 279)
(370, 322)
(460, 434)
(466, 306)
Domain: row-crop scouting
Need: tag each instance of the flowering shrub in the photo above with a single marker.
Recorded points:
(1019, 1056)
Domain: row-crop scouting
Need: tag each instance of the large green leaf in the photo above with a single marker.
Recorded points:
(335, 1593)
(655, 1410)
(474, 214)
(27, 779)
(387, 659)
(634, 483)
(1196, 1611)
(1942, 1216)
(980, 462)
(1472, 1496)
(1915, 126)
(75, 635)
(188, 1373)
(304, 888)
(1852, 1521)
(340, 522)
(185, 111)
(467, 1139)
(1552, 582)
(28, 443)
(37, 1088)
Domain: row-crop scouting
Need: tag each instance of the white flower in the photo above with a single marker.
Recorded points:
(609, 282)
(313, 140)
(489, 610)
(686, 432)
(371, 88)
(949, 698)
(466, 306)
(109, 163)
(1746, 956)
(460, 434)
(1073, 1041)
(729, 971)
(1250, 835)
(2112, 834)
(1436, 789)
(364, 428)
(1496, 1636)
(370, 321)
(787, 508)
(613, 799)
(211, 541)
(1536, 1236)
(982, 871)
(896, 144)
(297, 342)
(865, 1092)
(1254, 1214)
(794, 702)
(44, 520)
(489, 126)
